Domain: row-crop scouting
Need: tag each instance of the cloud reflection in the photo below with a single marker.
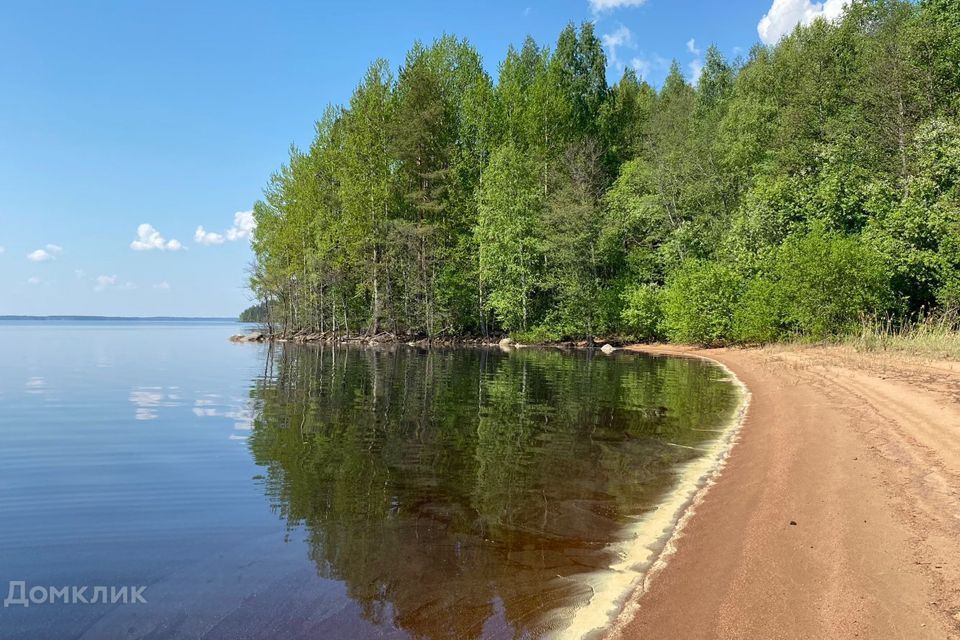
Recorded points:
(36, 384)
(148, 401)
(236, 409)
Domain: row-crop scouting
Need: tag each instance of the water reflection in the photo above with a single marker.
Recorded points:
(36, 384)
(238, 410)
(464, 493)
(148, 400)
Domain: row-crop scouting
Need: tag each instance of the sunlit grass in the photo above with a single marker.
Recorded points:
(931, 335)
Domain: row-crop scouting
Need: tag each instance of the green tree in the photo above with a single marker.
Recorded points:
(510, 207)
(364, 178)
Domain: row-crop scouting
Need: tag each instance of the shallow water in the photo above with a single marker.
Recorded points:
(314, 492)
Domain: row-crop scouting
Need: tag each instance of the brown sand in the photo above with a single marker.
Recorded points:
(862, 452)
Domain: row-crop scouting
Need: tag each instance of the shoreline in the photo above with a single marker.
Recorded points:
(386, 339)
(653, 538)
(837, 514)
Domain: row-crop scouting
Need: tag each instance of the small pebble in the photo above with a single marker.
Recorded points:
(793, 522)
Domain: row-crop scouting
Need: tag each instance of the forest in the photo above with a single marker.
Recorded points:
(800, 191)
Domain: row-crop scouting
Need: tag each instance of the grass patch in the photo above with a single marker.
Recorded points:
(932, 335)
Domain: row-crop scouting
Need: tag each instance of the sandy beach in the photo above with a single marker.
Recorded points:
(838, 513)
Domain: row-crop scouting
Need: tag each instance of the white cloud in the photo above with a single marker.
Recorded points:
(79, 273)
(54, 249)
(162, 285)
(646, 65)
(784, 15)
(34, 280)
(613, 41)
(599, 6)
(40, 255)
(695, 65)
(149, 238)
(244, 225)
(112, 282)
(105, 281)
(3, 249)
(203, 236)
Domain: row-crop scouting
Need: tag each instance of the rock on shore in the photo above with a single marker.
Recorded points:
(253, 336)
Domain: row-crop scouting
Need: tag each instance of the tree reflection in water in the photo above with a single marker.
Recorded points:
(462, 492)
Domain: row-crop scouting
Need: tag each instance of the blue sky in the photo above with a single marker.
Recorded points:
(115, 115)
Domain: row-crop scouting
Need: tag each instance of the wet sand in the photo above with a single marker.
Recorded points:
(837, 514)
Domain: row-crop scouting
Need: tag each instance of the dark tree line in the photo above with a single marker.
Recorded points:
(797, 191)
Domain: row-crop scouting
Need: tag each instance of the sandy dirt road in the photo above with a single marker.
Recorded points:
(837, 515)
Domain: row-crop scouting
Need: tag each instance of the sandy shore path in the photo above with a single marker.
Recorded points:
(838, 514)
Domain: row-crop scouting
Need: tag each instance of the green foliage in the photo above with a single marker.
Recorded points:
(759, 316)
(919, 234)
(699, 302)
(569, 232)
(818, 284)
(642, 312)
(255, 313)
(510, 203)
(540, 334)
(827, 283)
(818, 178)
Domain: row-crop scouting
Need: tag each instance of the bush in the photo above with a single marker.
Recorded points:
(699, 303)
(949, 295)
(540, 334)
(642, 311)
(758, 318)
(829, 282)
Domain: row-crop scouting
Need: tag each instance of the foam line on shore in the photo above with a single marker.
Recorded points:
(652, 540)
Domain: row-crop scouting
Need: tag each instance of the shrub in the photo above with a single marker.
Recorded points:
(949, 295)
(829, 282)
(642, 311)
(540, 334)
(699, 302)
(759, 314)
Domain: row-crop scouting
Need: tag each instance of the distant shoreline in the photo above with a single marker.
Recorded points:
(125, 318)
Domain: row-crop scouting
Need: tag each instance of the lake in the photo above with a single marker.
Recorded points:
(314, 491)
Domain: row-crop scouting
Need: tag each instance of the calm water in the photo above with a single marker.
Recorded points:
(309, 492)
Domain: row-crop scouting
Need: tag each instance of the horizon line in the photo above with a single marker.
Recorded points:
(96, 317)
